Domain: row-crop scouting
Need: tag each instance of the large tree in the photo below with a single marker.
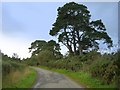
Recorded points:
(41, 45)
(76, 31)
(37, 46)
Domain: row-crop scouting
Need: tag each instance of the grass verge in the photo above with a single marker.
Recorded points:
(20, 79)
(82, 78)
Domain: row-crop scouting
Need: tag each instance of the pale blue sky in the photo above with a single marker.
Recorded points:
(23, 23)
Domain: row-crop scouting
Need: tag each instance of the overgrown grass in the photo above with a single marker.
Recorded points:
(82, 78)
(18, 79)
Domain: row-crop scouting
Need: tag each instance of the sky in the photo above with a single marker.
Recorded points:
(25, 22)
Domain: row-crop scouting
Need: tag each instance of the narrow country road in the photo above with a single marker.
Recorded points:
(49, 79)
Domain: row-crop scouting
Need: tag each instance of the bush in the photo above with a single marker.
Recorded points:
(32, 61)
(117, 57)
(44, 57)
(70, 63)
(6, 68)
(104, 69)
(11, 66)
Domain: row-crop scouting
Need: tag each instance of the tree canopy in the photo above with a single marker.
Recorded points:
(41, 45)
(76, 31)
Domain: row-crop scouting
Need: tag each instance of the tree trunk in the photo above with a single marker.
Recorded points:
(74, 43)
(79, 47)
(68, 45)
(70, 49)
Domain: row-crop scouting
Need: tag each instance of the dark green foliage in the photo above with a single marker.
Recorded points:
(43, 52)
(31, 61)
(37, 46)
(41, 45)
(45, 57)
(71, 63)
(76, 31)
(74, 63)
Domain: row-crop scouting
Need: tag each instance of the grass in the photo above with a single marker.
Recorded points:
(82, 78)
(20, 79)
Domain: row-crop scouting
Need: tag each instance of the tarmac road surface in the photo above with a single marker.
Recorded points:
(49, 79)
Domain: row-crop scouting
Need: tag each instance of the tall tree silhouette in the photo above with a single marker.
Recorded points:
(76, 31)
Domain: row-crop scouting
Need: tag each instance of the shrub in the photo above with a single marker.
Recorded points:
(6, 68)
(44, 57)
(104, 69)
(11, 66)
